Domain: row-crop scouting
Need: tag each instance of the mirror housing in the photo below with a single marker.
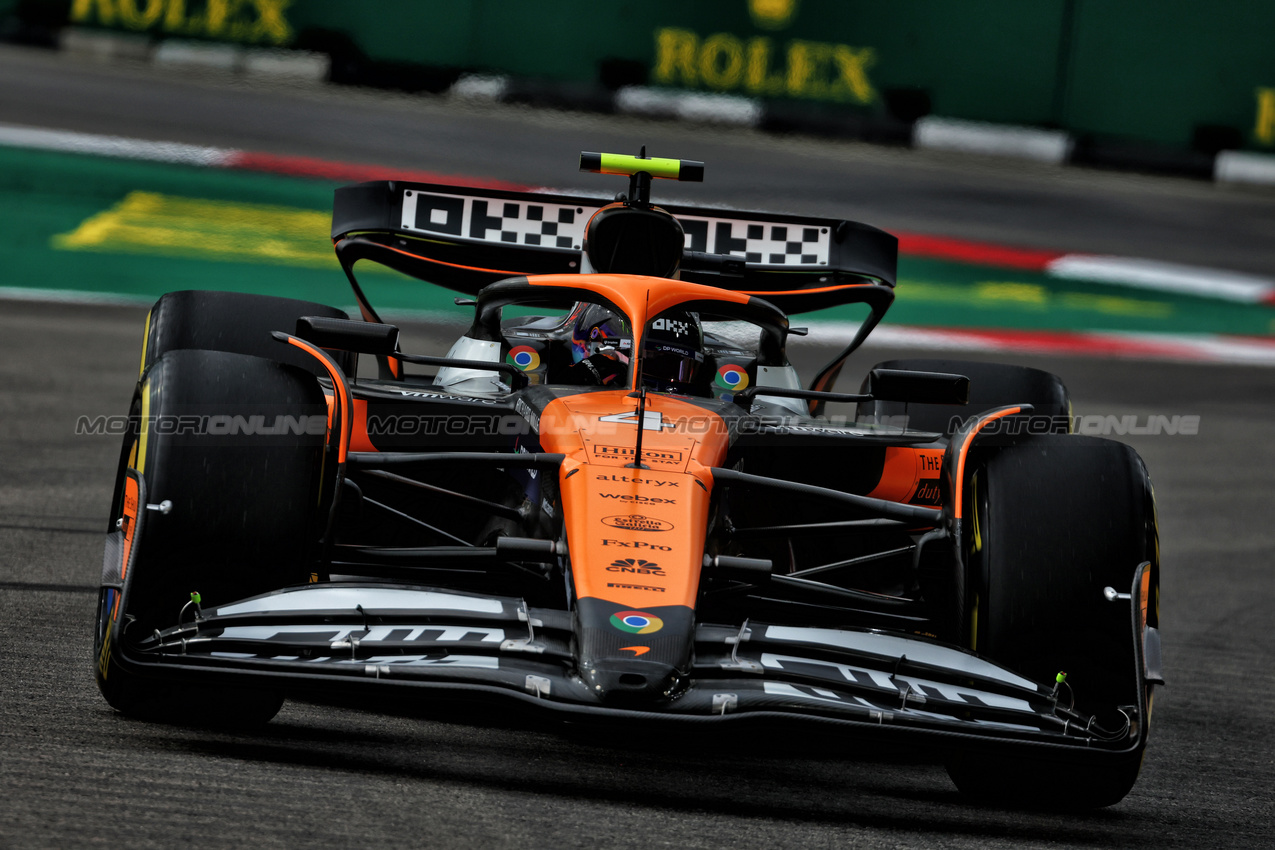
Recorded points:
(349, 335)
(918, 387)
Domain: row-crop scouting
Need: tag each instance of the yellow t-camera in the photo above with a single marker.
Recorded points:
(667, 169)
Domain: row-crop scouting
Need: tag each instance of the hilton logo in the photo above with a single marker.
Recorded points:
(648, 455)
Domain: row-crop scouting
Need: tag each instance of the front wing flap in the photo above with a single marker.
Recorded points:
(357, 635)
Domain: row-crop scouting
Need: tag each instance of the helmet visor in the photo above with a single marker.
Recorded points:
(670, 366)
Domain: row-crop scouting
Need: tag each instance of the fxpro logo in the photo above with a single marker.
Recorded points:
(646, 500)
(636, 544)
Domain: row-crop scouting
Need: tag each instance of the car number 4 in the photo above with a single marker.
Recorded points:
(653, 420)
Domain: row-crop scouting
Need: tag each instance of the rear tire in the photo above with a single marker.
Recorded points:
(244, 518)
(1053, 521)
(992, 385)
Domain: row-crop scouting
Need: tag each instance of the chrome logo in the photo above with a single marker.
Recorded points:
(732, 378)
(636, 622)
(524, 357)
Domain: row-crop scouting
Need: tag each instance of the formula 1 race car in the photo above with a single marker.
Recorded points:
(614, 498)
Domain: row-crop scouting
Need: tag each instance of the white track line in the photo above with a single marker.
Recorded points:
(73, 296)
(117, 146)
(1176, 348)
(1165, 277)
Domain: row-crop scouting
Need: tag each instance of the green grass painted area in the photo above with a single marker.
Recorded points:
(935, 293)
(105, 180)
(139, 229)
(48, 197)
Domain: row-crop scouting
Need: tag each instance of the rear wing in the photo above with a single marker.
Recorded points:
(464, 238)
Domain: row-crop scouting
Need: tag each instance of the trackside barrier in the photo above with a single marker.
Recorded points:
(1115, 82)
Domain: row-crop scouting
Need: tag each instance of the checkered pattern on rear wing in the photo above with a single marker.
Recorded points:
(547, 222)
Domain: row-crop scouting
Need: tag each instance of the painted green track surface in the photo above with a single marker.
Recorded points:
(137, 229)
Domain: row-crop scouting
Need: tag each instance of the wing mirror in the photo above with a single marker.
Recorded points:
(347, 335)
(918, 387)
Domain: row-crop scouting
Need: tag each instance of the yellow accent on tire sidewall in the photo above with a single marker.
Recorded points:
(139, 449)
(146, 339)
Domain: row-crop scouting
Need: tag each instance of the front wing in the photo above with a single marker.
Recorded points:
(372, 635)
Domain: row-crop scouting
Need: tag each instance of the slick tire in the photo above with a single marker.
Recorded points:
(1053, 520)
(992, 385)
(235, 444)
(236, 322)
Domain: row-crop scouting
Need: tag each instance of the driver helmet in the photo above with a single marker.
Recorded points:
(597, 330)
(673, 353)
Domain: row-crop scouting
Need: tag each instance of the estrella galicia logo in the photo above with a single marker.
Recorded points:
(636, 622)
(637, 522)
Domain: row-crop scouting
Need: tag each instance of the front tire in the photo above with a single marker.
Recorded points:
(1055, 520)
(234, 443)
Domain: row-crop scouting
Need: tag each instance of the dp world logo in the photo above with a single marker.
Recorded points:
(636, 622)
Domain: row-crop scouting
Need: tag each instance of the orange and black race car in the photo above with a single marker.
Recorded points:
(614, 497)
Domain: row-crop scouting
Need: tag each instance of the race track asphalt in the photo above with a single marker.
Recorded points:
(74, 773)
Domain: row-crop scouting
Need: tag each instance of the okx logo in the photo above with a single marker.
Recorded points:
(636, 622)
(674, 326)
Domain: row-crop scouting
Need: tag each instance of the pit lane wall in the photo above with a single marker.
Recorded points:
(1178, 75)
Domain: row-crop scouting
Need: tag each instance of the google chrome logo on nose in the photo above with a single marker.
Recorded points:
(636, 622)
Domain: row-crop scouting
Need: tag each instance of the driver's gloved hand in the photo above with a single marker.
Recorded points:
(598, 370)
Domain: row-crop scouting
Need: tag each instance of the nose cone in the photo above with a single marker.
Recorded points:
(619, 681)
(630, 656)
